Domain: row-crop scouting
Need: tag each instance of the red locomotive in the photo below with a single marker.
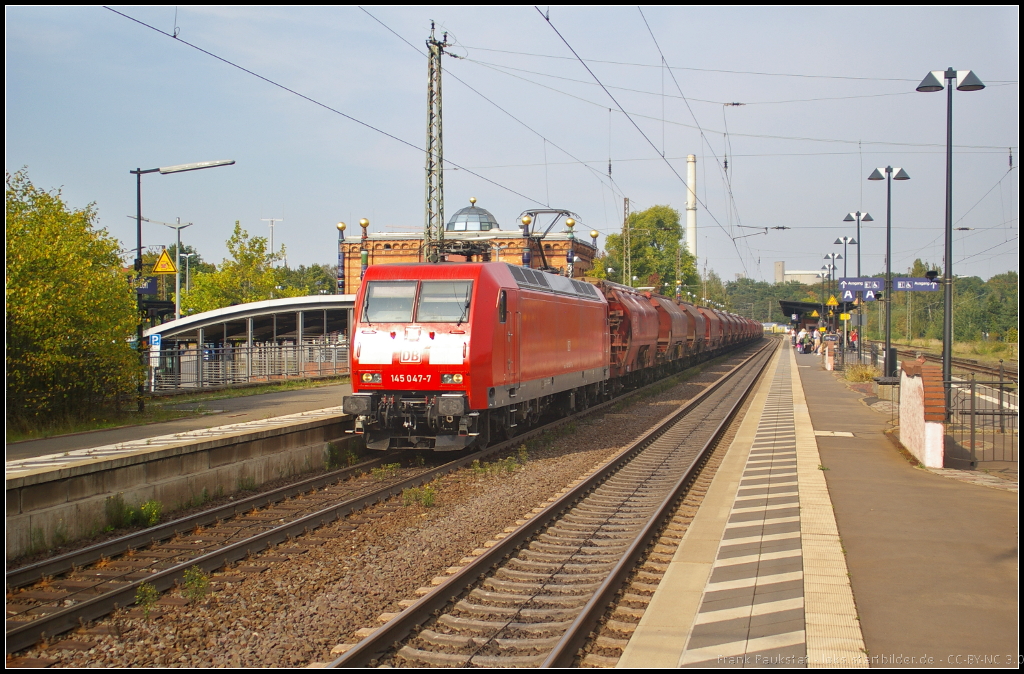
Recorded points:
(451, 354)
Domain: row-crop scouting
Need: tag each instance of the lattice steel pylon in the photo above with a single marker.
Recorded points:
(433, 229)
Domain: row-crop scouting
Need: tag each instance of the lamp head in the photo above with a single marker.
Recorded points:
(931, 275)
(849, 218)
(877, 174)
(966, 80)
(932, 82)
(866, 218)
(838, 242)
(900, 174)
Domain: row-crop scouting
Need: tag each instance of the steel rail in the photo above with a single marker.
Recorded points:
(401, 626)
(564, 652)
(53, 566)
(963, 363)
(23, 636)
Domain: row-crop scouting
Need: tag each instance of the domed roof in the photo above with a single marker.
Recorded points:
(472, 219)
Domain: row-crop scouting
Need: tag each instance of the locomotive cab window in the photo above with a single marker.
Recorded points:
(389, 302)
(502, 306)
(444, 301)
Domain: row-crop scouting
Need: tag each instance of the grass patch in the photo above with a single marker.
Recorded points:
(424, 496)
(252, 390)
(145, 598)
(196, 584)
(337, 457)
(121, 515)
(861, 373)
(156, 410)
(97, 422)
(505, 466)
(384, 471)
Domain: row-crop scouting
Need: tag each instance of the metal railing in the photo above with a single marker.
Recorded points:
(216, 367)
(981, 425)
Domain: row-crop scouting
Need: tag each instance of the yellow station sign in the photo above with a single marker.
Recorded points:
(164, 265)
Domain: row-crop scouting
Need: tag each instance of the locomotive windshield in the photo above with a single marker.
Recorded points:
(389, 302)
(438, 301)
(444, 301)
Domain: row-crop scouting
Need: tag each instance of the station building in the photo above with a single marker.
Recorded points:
(470, 225)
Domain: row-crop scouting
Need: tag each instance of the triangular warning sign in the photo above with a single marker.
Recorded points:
(164, 265)
(814, 314)
(832, 301)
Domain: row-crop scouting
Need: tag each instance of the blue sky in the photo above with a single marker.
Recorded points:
(91, 95)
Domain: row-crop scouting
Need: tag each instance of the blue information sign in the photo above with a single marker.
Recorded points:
(914, 284)
(856, 284)
(154, 341)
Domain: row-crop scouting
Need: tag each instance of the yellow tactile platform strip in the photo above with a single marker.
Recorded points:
(832, 629)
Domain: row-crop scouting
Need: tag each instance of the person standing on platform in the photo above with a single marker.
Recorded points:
(853, 339)
(817, 342)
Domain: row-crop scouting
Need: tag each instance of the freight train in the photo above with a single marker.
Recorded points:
(450, 355)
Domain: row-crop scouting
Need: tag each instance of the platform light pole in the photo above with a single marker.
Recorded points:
(966, 80)
(859, 217)
(888, 174)
(138, 173)
(832, 257)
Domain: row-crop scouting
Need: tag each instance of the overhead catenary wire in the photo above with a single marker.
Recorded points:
(486, 98)
(696, 100)
(320, 104)
(653, 146)
(719, 70)
(1001, 148)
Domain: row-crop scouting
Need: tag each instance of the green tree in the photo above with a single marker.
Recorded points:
(317, 279)
(70, 311)
(247, 276)
(656, 251)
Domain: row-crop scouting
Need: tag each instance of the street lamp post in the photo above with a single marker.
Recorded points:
(832, 257)
(138, 173)
(845, 241)
(186, 256)
(888, 174)
(966, 80)
(859, 217)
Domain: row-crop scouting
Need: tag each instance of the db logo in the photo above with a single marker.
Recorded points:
(409, 357)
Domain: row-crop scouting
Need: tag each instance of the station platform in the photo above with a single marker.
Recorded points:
(819, 545)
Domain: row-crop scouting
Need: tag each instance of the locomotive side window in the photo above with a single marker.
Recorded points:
(502, 307)
(389, 302)
(444, 301)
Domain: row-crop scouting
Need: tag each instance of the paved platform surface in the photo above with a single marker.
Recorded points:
(232, 411)
(819, 545)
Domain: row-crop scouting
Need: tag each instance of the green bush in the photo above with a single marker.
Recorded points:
(70, 311)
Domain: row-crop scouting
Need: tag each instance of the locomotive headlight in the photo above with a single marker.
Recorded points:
(371, 378)
(451, 378)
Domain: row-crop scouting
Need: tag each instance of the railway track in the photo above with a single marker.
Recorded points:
(56, 595)
(535, 597)
(1010, 372)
